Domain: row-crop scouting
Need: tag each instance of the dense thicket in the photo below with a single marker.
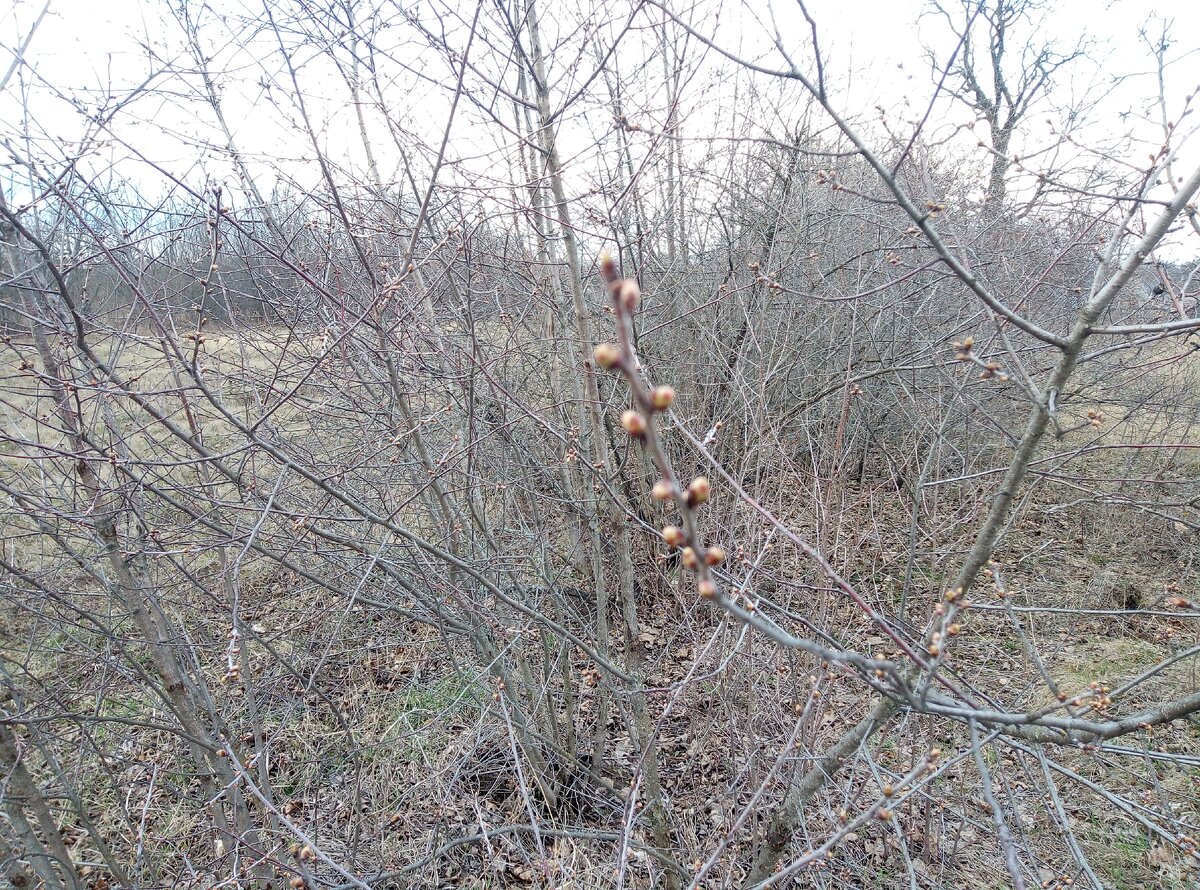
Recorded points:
(583, 457)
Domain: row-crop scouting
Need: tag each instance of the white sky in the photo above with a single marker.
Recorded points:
(875, 54)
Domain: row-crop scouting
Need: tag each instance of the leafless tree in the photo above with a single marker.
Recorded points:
(519, 444)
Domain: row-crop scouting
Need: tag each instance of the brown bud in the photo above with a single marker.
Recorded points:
(663, 490)
(634, 423)
(674, 536)
(706, 589)
(662, 397)
(884, 815)
(607, 267)
(699, 490)
(630, 295)
(714, 556)
(606, 355)
(689, 558)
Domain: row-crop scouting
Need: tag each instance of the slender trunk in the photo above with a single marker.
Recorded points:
(592, 440)
(588, 401)
(997, 189)
(22, 794)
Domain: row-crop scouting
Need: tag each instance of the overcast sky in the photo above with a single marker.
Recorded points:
(875, 52)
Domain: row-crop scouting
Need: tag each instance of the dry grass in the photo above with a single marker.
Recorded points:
(384, 711)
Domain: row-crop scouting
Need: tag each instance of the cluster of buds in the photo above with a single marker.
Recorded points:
(963, 353)
(713, 556)
(1095, 418)
(767, 280)
(1101, 700)
(945, 613)
(639, 422)
(990, 370)
(696, 494)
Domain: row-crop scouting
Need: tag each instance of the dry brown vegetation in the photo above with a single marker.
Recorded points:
(810, 503)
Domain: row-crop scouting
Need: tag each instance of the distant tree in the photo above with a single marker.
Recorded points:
(1001, 71)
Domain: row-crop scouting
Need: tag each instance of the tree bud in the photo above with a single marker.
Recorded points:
(629, 295)
(662, 397)
(634, 423)
(674, 536)
(606, 355)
